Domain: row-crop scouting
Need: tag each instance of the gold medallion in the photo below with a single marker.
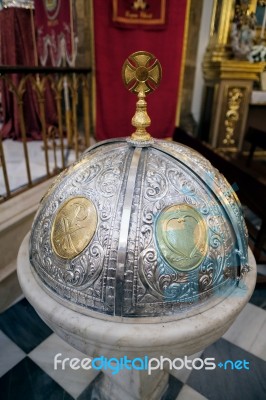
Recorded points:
(182, 236)
(73, 227)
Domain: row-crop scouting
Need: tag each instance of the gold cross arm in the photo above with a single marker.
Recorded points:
(141, 74)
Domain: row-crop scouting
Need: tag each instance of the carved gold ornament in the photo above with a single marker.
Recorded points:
(234, 99)
(182, 236)
(141, 74)
(73, 227)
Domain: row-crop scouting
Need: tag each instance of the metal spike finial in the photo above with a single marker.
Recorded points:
(141, 74)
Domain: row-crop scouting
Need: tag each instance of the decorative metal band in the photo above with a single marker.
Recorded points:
(123, 237)
(103, 143)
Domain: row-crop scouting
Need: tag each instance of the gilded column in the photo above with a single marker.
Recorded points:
(228, 82)
(219, 48)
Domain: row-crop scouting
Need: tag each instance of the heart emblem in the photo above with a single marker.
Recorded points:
(181, 235)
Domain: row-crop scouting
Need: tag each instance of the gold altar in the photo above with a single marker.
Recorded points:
(229, 81)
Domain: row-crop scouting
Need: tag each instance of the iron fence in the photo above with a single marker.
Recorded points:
(68, 92)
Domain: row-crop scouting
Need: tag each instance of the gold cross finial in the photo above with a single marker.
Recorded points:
(141, 74)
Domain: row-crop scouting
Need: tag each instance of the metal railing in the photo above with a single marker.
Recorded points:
(70, 91)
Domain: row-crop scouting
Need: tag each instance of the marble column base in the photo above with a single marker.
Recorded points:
(131, 385)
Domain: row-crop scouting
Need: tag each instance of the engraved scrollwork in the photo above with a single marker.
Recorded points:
(48, 264)
(215, 241)
(188, 189)
(156, 185)
(192, 156)
(96, 253)
(204, 208)
(158, 206)
(86, 175)
(161, 280)
(170, 290)
(105, 210)
(46, 226)
(181, 182)
(108, 181)
(54, 206)
(52, 269)
(215, 223)
(96, 181)
(206, 277)
(103, 233)
(148, 216)
(173, 286)
(174, 177)
(60, 177)
(231, 201)
(84, 271)
(219, 247)
(145, 237)
(184, 186)
(148, 265)
(74, 276)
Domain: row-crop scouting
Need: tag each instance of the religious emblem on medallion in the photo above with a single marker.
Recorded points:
(182, 236)
(73, 227)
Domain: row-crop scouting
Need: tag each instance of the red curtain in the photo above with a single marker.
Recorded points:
(16, 48)
(114, 42)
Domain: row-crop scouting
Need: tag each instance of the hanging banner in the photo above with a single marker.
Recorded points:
(17, 48)
(145, 14)
(115, 106)
(56, 39)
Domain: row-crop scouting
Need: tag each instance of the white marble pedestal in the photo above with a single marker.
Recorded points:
(129, 385)
(98, 337)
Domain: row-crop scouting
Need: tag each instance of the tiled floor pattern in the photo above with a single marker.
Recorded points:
(28, 347)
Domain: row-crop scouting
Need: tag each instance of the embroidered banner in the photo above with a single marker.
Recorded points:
(115, 106)
(17, 48)
(145, 14)
(56, 41)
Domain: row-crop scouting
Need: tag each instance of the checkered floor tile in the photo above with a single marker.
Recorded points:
(28, 347)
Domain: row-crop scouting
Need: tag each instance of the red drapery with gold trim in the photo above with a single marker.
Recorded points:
(117, 35)
(56, 38)
(16, 49)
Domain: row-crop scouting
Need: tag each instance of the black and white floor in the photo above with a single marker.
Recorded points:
(28, 347)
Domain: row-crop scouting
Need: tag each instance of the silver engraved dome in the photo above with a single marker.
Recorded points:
(131, 231)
